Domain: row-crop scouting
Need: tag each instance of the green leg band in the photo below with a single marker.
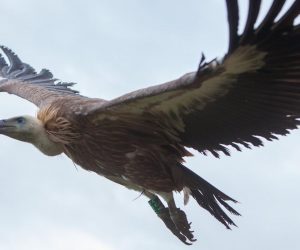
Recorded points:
(156, 204)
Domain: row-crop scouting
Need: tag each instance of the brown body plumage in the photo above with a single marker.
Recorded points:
(139, 139)
(116, 145)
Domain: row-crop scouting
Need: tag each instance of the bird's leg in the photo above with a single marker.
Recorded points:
(179, 218)
(164, 214)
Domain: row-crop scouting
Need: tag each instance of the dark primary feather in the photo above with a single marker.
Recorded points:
(233, 20)
(267, 22)
(254, 7)
(21, 79)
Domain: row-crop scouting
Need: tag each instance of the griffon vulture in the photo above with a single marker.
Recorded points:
(139, 140)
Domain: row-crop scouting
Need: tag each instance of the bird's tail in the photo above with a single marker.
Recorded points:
(208, 196)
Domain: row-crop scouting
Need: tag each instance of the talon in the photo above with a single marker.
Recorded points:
(175, 220)
(193, 240)
(180, 220)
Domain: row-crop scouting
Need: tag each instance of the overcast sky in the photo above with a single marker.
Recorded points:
(110, 47)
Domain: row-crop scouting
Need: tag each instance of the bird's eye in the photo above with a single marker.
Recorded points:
(20, 120)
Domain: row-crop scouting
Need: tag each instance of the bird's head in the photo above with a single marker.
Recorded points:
(30, 129)
(23, 128)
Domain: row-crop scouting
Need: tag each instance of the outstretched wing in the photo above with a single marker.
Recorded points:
(21, 79)
(253, 93)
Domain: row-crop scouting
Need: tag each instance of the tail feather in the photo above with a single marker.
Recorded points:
(209, 203)
(229, 208)
(209, 197)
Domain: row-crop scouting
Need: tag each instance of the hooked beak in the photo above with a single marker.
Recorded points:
(2, 124)
(5, 124)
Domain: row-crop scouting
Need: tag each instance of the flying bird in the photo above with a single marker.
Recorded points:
(139, 140)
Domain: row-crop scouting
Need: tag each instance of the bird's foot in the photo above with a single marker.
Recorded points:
(180, 221)
(164, 214)
(180, 230)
